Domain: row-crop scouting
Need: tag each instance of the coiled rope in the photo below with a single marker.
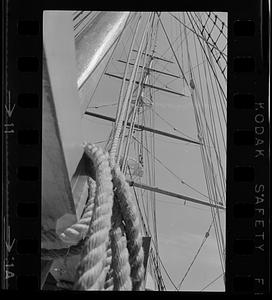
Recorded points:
(109, 230)
(91, 273)
(120, 255)
(132, 228)
(73, 234)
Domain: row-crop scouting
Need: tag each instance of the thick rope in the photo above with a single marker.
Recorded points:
(120, 255)
(73, 234)
(109, 282)
(91, 273)
(109, 277)
(105, 264)
(132, 228)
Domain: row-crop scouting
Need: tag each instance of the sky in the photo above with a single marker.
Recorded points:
(181, 226)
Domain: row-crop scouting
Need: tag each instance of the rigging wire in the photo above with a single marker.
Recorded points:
(212, 176)
(215, 76)
(204, 158)
(200, 81)
(197, 253)
(219, 119)
(110, 58)
(148, 231)
(167, 37)
(173, 127)
(218, 155)
(213, 68)
(219, 245)
(207, 57)
(127, 98)
(193, 31)
(150, 180)
(214, 280)
(222, 22)
(213, 129)
(222, 103)
(217, 59)
(118, 111)
(203, 110)
(136, 106)
(175, 175)
(126, 116)
(153, 143)
(204, 28)
(152, 157)
(103, 105)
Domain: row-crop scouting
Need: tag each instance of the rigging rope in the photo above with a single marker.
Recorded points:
(148, 232)
(121, 116)
(197, 253)
(212, 178)
(214, 280)
(173, 127)
(91, 273)
(173, 51)
(221, 54)
(175, 175)
(120, 264)
(133, 112)
(192, 30)
(207, 58)
(206, 155)
(73, 234)
(203, 110)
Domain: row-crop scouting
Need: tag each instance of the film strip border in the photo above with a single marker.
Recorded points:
(247, 166)
(21, 158)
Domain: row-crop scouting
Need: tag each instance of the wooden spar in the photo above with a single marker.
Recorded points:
(150, 85)
(164, 192)
(144, 128)
(150, 69)
(155, 57)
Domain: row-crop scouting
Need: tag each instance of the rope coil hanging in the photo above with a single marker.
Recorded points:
(73, 234)
(91, 273)
(132, 228)
(108, 234)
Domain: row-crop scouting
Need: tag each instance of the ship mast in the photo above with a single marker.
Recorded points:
(136, 101)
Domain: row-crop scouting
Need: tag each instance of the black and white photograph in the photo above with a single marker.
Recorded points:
(134, 129)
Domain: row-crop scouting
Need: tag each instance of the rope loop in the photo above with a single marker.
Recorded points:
(91, 272)
(132, 228)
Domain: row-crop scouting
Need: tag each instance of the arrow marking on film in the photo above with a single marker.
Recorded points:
(8, 244)
(9, 109)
